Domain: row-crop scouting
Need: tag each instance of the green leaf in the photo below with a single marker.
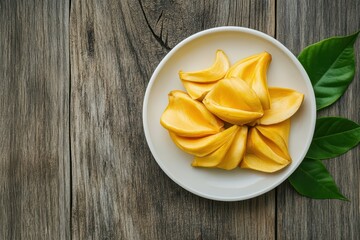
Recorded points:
(330, 65)
(312, 180)
(333, 136)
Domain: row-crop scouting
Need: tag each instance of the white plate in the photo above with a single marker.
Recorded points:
(197, 52)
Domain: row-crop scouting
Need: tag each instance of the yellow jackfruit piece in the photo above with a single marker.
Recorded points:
(198, 90)
(244, 68)
(236, 151)
(263, 154)
(202, 146)
(284, 103)
(252, 161)
(189, 118)
(277, 136)
(233, 101)
(253, 71)
(281, 129)
(214, 158)
(214, 73)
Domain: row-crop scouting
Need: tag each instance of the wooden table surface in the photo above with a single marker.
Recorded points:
(74, 162)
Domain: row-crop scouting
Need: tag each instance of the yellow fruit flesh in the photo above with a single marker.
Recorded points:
(240, 105)
(254, 162)
(214, 73)
(253, 71)
(244, 68)
(284, 103)
(236, 151)
(189, 118)
(282, 129)
(204, 145)
(278, 134)
(198, 90)
(263, 154)
(214, 158)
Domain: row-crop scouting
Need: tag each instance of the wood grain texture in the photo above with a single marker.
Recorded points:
(119, 192)
(34, 120)
(298, 25)
(114, 188)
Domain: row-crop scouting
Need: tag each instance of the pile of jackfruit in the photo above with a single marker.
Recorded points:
(229, 117)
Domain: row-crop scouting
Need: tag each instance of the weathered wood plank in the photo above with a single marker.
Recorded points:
(298, 25)
(34, 120)
(119, 192)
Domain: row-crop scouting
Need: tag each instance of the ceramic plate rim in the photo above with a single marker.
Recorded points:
(256, 33)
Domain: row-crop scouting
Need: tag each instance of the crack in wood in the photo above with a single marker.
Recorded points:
(159, 17)
(158, 38)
